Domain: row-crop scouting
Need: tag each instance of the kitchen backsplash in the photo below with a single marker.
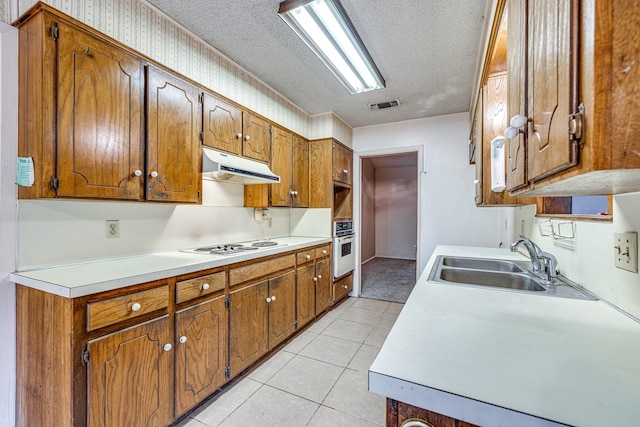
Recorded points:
(58, 232)
(588, 258)
(147, 30)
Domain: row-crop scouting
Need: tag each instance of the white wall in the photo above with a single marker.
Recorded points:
(396, 212)
(447, 213)
(8, 153)
(588, 258)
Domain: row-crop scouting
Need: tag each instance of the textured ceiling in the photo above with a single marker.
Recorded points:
(426, 50)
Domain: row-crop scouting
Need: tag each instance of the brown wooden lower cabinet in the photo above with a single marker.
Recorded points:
(401, 414)
(147, 354)
(201, 352)
(342, 287)
(130, 376)
(306, 288)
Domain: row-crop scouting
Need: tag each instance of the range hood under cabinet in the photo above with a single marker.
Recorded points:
(226, 167)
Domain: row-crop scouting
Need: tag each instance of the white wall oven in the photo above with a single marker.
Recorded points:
(344, 259)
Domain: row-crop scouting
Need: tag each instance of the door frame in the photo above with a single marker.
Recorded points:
(357, 202)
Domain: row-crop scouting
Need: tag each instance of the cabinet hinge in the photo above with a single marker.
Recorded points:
(53, 183)
(576, 123)
(54, 32)
(85, 356)
(201, 97)
(270, 130)
(296, 324)
(227, 371)
(201, 137)
(227, 301)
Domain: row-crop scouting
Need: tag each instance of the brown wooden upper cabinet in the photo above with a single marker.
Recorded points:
(572, 74)
(342, 164)
(290, 161)
(490, 119)
(231, 129)
(173, 138)
(81, 110)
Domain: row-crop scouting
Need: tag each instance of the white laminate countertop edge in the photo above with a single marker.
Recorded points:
(76, 280)
(567, 361)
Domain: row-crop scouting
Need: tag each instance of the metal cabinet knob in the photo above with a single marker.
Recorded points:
(345, 171)
(205, 286)
(154, 174)
(238, 135)
(167, 347)
(268, 299)
(273, 298)
(346, 287)
(183, 339)
(308, 256)
(137, 172)
(324, 251)
(315, 279)
(136, 306)
(319, 276)
(246, 137)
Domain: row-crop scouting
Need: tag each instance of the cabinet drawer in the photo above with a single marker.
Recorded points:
(342, 287)
(323, 251)
(189, 289)
(305, 256)
(261, 269)
(114, 310)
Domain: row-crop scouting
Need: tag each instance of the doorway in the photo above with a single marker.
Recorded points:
(389, 226)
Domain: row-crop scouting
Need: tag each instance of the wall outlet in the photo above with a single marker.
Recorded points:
(112, 229)
(626, 251)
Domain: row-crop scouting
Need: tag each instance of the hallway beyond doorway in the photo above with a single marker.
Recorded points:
(388, 279)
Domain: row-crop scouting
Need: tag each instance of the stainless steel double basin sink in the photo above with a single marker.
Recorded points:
(501, 274)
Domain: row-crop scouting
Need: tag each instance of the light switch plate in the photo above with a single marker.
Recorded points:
(626, 251)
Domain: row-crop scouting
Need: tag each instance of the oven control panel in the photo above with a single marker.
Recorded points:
(342, 228)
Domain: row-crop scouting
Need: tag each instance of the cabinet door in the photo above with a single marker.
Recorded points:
(300, 172)
(257, 137)
(173, 138)
(201, 352)
(282, 308)
(516, 72)
(549, 148)
(130, 376)
(342, 164)
(222, 125)
(281, 164)
(306, 301)
(249, 321)
(99, 122)
(476, 136)
(323, 285)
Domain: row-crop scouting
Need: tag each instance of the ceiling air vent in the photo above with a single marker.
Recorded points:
(383, 105)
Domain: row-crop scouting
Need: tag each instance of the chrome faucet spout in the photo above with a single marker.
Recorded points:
(533, 250)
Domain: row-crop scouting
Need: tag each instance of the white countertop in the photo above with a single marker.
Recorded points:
(500, 358)
(77, 280)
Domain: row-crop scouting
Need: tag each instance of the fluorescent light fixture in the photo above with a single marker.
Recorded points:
(325, 27)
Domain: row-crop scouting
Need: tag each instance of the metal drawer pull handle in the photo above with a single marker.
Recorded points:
(205, 286)
(167, 347)
(136, 306)
(183, 339)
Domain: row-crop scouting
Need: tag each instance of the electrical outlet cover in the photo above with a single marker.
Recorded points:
(626, 251)
(112, 229)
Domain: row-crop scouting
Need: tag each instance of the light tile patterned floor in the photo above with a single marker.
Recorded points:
(319, 379)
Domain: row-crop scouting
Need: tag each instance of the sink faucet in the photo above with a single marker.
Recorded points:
(536, 254)
(533, 250)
